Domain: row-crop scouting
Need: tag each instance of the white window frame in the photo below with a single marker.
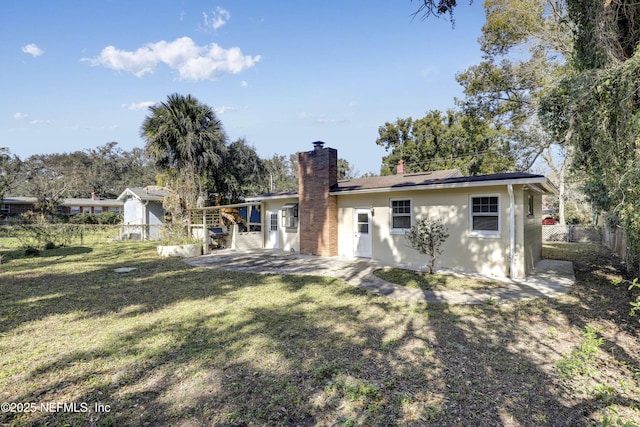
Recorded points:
(485, 233)
(273, 221)
(392, 215)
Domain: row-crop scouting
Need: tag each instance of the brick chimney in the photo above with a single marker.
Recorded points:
(317, 210)
(400, 168)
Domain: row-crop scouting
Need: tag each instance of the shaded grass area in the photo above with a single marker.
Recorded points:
(434, 282)
(171, 344)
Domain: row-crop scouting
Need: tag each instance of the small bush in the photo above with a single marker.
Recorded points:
(109, 218)
(105, 218)
(31, 251)
(49, 246)
(84, 218)
(427, 237)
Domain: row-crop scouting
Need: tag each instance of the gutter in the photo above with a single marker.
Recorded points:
(512, 231)
(468, 184)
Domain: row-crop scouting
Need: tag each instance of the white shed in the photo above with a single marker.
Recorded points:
(143, 211)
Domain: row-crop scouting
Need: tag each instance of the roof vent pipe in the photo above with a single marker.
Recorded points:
(318, 145)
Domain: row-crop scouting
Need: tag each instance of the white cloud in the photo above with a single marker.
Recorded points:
(192, 62)
(218, 18)
(32, 49)
(224, 109)
(244, 83)
(140, 105)
(23, 116)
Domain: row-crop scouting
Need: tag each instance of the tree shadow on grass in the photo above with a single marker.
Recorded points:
(214, 348)
(90, 286)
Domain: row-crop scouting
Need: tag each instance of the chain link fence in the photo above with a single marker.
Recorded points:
(572, 233)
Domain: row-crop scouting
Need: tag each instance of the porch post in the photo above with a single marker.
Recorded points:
(205, 233)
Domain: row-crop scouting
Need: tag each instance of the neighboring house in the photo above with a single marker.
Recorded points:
(494, 221)
(143, 211)
(93, 205)
(11, 206)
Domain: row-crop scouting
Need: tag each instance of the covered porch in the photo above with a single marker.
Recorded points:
(237, 226)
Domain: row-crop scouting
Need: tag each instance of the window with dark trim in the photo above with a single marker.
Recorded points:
(400, 215)
(290, 215)
(530, 204)
(485, 215)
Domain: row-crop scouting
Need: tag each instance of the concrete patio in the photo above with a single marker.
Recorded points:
(550, 278)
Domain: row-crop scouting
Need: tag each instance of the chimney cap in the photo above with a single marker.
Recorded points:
(318, 145)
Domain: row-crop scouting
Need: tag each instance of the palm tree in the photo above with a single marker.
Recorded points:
(186, 139)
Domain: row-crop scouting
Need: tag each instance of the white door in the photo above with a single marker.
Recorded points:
(273, 240)
(362, 233)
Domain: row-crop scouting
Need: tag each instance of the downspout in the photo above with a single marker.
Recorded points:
(512, 231)
(145, 222)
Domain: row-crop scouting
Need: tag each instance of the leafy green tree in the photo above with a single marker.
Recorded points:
(46, 184)
(185, 135)
(245, 172)
(282, 174)
(345, 170)
(437, 8)
(137, 169)
(427, 236)
(596, 109)
(525, 43)
(9, 169)
(105, 170)
(443, 141)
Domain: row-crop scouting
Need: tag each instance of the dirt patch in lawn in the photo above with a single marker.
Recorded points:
(434, 282)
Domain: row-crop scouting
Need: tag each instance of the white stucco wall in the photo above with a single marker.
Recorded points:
(288, 238)
(462, 250)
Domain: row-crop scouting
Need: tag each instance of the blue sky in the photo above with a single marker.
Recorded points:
(282, 74)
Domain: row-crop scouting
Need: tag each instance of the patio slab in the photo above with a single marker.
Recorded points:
(550, 278)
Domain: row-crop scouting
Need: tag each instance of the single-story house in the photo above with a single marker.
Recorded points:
(494, 221)
(93, 205)
(12, 206)
(143, 211)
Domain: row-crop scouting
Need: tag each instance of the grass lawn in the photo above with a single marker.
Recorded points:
(171, 344)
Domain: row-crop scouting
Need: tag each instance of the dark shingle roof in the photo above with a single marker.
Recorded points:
(404, 180)
(435, 178)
